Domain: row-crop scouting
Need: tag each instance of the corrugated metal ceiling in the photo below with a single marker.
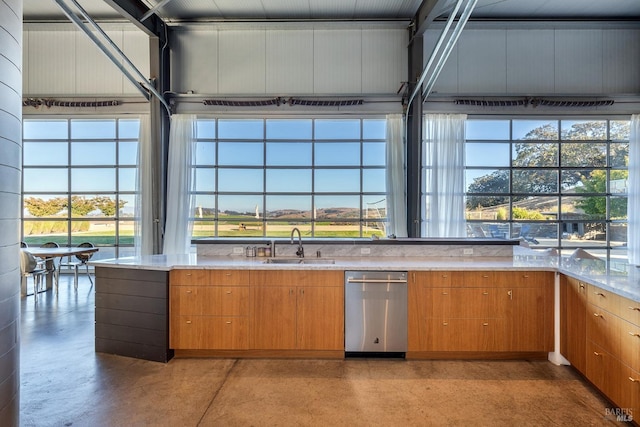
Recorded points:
(188, 10)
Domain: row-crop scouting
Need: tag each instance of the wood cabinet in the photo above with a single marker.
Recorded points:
(573, 321)
(480, 311)
(609, 353)
(209, 310)
(297, 310)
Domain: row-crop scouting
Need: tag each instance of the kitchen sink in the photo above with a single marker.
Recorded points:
(299, 261)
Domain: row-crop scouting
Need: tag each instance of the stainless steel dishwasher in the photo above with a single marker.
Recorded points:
(375, 313)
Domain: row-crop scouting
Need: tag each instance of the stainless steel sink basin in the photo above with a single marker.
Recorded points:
(299, 261)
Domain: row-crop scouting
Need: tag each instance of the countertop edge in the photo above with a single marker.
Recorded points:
(615, 284)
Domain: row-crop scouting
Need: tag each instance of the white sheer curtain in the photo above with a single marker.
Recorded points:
(444, 184)
(143, 228)
(177, 233)
(395, 177)
(633, 204)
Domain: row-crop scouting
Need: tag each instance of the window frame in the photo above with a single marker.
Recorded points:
(308, 219)
(119, 244)
(509, 227)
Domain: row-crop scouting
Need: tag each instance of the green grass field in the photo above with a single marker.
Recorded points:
(107, 237)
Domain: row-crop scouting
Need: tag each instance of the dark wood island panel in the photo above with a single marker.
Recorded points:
(132, 313)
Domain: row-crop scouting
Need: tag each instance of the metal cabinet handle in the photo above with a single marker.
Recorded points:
(352, 280)
(188, 322)
(445, 323)
(227, 274)
(634, 334)
(598, 315)
(634, 308)
(633, 380)
(485, 293)
(525, 276)
(485, 324)
(581, 285)
(597, 354)
(485, 276)
(600, 294)
(445, 293)
(228, 322)
(510, 293)
(228, 292)
(188, 274)
(189, 291)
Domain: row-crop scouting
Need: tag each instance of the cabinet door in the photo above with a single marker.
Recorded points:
(474, 335)
(210, 300)
(209, 333)
(320, 318)
(574, 322)
(630, 393)
(471, 303)
(273, 317)
(605, 372)
(630, 345)
(526, 317)
(603, 329)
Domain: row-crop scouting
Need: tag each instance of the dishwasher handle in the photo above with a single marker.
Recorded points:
(353, 280)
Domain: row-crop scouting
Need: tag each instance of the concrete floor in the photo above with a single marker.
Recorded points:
(64, 383)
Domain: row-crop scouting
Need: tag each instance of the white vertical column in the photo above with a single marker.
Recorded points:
(10, 176)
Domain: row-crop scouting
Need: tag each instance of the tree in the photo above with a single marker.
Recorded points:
(597, 205)
(107, 205)
(81, 206)
(523, 213)
(540, 147)
(496, 182)
(40, 208)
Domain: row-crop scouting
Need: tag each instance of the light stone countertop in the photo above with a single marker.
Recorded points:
(593, 271)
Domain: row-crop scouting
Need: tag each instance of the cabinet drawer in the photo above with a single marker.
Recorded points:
(209, 333)
(630, 345)
(468, 303)
(476, 279)
(604, 299)
(603, 329)
(630, 394)
(466, 335)
(506, 279)
(604, 371)
(434, 279)
(297, 278)
(210, 300)
(630, 311)
(523, 279)
(209, 277)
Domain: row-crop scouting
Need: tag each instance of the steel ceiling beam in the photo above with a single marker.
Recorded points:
(428, 12)
(110, 49)
(135, 11)
(445, 44)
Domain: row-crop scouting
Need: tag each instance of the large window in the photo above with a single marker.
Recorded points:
(554, 183)
(79, 182)
(262, 177)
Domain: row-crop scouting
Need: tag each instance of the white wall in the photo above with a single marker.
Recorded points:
(330, 61)
(10, 164)
(541, 62)
(62, 61)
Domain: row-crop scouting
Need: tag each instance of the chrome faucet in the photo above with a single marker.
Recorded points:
(300, 251)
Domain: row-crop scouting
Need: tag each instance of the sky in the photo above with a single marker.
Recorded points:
(291, 155)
